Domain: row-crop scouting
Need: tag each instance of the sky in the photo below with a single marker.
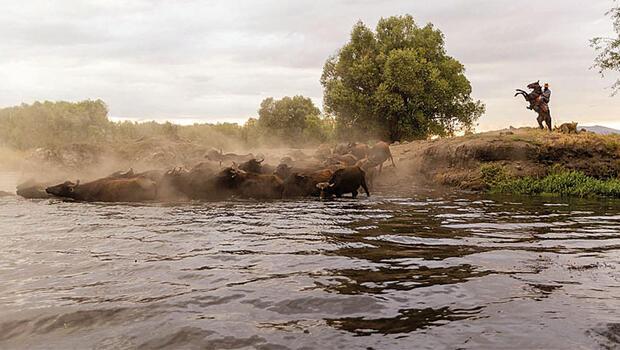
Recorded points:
(215, 61)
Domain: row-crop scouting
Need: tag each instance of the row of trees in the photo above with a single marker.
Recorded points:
(394, 83)
(52, 124)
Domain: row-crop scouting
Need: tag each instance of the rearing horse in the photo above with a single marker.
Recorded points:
(536, 103)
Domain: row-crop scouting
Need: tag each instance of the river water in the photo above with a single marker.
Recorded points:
(395, 271)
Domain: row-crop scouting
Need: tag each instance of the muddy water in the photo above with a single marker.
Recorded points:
(396, 271)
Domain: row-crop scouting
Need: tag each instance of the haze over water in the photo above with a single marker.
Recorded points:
(395, 271)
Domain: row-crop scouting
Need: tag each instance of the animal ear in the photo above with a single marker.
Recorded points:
(77, 183)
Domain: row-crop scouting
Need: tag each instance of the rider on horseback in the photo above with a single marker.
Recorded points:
(539, 102)
(542, 99)
(546, 96)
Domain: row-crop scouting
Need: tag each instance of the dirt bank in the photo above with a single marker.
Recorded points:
(454, 162)
(521, 152)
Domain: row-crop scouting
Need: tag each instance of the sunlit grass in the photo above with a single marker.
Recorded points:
(558, 182)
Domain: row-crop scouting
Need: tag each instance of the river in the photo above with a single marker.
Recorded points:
(424, 270)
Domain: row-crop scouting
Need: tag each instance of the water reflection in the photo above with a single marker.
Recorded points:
(440, 271)
(407, 321)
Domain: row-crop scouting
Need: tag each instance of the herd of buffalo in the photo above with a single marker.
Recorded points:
(327, 173)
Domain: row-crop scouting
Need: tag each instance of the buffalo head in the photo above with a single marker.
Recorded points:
(327, 189)
(65, 189)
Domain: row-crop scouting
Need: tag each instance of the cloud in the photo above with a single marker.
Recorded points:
(215, 60)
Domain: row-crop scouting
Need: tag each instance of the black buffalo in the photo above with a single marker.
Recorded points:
(343, 181)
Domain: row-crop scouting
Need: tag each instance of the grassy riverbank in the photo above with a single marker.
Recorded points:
(558, 182)
(520, 161)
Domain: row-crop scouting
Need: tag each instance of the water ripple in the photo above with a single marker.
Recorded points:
(441, 271)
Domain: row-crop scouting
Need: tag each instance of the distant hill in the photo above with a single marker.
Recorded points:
(601, 130)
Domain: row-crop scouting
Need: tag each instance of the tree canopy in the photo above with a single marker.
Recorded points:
(294, 119)
(608, 58)
(398, 82)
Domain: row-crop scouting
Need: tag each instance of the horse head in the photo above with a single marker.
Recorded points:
(534, 85)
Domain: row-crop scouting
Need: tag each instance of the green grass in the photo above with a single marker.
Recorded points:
(558, 182)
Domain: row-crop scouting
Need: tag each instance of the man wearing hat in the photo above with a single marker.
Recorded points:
(546, 96)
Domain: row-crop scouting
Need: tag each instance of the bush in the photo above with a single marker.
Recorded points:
(558, 182)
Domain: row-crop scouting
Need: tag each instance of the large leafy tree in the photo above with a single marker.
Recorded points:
(608, 59)
(398, 82)
(287, 118)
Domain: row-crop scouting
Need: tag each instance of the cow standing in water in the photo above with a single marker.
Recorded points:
(343, 181)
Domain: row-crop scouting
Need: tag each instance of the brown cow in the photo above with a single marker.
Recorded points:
(199, 183)
(302, 184)
(107, 190)
(379, 153)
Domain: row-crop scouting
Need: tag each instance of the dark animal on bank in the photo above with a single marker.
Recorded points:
(567, 128)
(107, 190)
(378, 154)
(343, 181)
(537, 104)
(303, 184)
